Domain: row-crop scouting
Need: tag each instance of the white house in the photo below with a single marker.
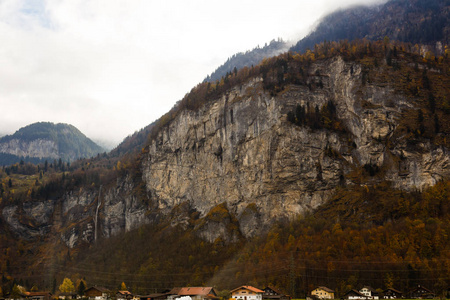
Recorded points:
(247, 292)
(194, 293)
(369, 292)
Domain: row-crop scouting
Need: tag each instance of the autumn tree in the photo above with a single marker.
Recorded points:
(17, 291)
(123, 287)
(67, 286)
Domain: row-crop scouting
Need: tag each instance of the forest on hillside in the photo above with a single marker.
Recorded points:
(367, 234)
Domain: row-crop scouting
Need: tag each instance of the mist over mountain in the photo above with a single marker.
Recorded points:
(46, 141)
(412, 21)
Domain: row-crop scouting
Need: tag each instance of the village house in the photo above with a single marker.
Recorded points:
(247, 292)
(369, 292)
(272, 293)
(421, 292)
(323, 292)
(392, 294)
(354, 295)
(196, 293)
(124, 295)
(156, 296)
(98, 293)
(67, 296)
(38, 295)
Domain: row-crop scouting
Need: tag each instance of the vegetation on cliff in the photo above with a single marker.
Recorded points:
(248, 59)
(368, 233)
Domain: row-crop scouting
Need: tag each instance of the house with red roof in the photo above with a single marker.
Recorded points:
(38, 295)
(124, 295)
(247, 292)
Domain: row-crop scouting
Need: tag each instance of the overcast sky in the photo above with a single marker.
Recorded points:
(111, 67)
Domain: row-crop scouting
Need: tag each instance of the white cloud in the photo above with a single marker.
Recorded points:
(112, 67)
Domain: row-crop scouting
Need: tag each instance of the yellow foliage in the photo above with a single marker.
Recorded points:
(67, 286)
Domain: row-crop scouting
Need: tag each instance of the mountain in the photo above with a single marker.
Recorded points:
(46, 141)
(248, 59)
(132, 143)
(414, 21)
(329, 167)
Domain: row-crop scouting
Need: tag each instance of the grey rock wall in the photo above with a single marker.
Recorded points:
(241, 151)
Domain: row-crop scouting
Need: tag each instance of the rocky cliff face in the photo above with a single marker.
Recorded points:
(42, 148)
(241, 165)
(46, 141)
(242, 151)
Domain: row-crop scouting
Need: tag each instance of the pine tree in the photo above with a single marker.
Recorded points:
(81, 288)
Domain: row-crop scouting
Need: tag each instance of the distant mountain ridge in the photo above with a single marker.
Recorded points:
(249, 58)
(44, 140)
(413, 21)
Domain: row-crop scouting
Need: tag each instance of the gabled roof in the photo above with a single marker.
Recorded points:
(193, 291)
(391, 289)
(355, 292)
(155, 296)
(248, 287)
(35, 294)
(174, 291)
(275, 290)
(99, 288)
(419, 287)
(369, 288)
(124, 293)
(325, 289)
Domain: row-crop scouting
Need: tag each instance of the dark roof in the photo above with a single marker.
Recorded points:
(99, 288)
(275, 290)
(174, 291)
(419, 287)
(355, 292)
(156, 295)
(391, 289)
